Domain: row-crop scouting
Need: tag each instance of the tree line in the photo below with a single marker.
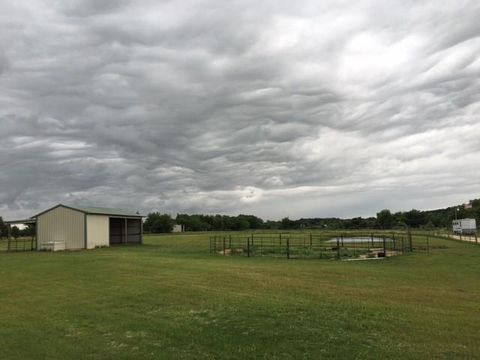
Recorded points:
(385, 219)
(163, 223)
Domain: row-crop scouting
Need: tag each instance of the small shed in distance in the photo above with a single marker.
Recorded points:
(79, 227)
(178, 228)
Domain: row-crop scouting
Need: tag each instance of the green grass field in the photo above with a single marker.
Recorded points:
(171, 299)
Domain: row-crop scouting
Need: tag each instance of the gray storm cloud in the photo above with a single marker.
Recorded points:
(273, 108)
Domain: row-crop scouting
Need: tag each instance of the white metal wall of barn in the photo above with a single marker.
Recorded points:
(98, 232)
(61, 224)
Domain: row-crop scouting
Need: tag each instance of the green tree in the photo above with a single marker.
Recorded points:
(287, 224)
(29, 230)
(385, 219)
(272, 225)
(164, 224)
(241, 224)
(158, 223)
(15, 231)
(415, 218)
(3, 228)
(253, 221)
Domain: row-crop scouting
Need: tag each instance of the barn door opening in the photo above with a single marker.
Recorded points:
(125, 231)
(134, 231)
(117, 231)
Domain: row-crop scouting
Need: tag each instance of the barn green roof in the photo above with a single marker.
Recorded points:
(106, 211)
(97, 210)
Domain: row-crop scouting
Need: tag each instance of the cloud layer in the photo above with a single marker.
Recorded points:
(328, 108)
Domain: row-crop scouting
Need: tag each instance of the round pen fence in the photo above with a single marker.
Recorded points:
(320, 246)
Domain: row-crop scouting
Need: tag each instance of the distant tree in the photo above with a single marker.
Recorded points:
(198, 223)
(15, 231)
(147, 224)
(183, 219)
(3, 228)
(371, 223)
(241, 224)
(385, 219)
(438, 219)
(29, 230)
(218, 222)
(195, 222)
(164, 224)
(253, 221)
(415, 218)
(429, 225)
(273, 225)
(287, 224)
(158, 223)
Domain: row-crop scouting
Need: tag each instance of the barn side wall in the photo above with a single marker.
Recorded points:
(62, 224)
(98, 233)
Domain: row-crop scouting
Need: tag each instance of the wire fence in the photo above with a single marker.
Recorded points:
(18, 244)
(464, 237)
(320, 246)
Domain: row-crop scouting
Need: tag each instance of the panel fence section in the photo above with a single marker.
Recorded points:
(319, 245)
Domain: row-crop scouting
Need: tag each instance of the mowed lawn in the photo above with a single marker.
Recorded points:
(171, 299)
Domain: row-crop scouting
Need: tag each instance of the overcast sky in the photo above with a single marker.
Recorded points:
(274, 108)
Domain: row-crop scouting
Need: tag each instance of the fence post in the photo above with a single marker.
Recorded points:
(384, 247)
(230, 242)
(410, 240)
(371, 237)
(9, 229)
(288, 248)
(248, 246)
(224, 245)
(338, 248)
(280, 241)
(260, 246)
(476, 239)
(354, 248)
(428, 244)
(311, 241)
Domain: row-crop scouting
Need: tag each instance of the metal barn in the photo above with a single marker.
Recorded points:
(65, 227)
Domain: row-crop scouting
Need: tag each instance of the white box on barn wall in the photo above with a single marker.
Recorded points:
(54, 246)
